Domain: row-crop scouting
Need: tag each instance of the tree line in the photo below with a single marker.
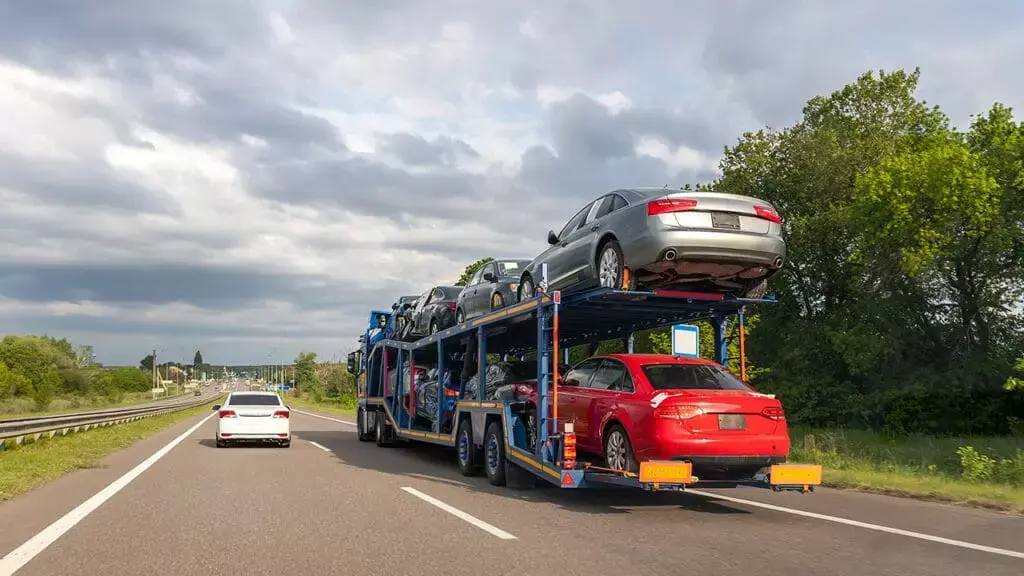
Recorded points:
(900, 305)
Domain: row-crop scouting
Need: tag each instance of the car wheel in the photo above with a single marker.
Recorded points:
(286, 444)
(468, 457)
(526, 288)
(497, 301)
(361, 432)
(460, 316)
(494, 455)
(433, 326)
(610, 266)
(618, 452)
(756, 289)
(221, 444)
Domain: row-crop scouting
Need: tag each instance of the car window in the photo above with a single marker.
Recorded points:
(580, 375)
(575, 222)
(605, 207)
(691, 377)
(612, 375)
(512, 268)
(475, 278)
(448, 292)
(489, 268)
(618, 202)
(595, 207)
(254, 400)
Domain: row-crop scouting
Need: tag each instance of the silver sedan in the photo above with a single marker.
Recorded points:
(650, 238)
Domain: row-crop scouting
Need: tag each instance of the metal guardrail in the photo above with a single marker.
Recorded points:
(32, 429)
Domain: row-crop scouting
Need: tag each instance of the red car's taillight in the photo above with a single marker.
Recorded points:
(227, 414)
(774, 412)
(768, 214)
(666, 205)
(678, 413)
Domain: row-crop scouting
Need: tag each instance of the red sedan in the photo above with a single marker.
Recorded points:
(630, 408)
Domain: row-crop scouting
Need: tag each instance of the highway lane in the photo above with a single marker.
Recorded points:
(343, 510)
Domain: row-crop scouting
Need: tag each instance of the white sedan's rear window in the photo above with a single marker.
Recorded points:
(254, 400)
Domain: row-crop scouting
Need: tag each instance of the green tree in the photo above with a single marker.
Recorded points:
(471, 269)
(305, 373)
(197, 362)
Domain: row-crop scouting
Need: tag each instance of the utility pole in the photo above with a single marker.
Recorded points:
(154, 369)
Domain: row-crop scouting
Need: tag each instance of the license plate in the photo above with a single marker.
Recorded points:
(732, 422)
(725, 220)
(666, 472)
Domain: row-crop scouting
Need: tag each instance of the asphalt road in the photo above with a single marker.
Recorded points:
(333, 505)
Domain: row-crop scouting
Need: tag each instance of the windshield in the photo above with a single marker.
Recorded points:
(451, 292)
(254, 400)
(512, 267)
(691, 377)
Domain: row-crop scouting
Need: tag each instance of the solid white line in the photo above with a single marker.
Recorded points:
(320, 446)
(21, 555)
(324, 417)
(493, 530)
(876, 527)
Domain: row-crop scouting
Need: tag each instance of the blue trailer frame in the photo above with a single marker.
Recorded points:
(492, 434)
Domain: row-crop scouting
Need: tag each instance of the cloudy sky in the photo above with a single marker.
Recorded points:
(251, 177)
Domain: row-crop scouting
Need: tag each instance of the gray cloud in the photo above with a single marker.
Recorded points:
(415, 150)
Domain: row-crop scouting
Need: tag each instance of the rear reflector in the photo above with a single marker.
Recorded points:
(227, 414)
(774, 412)
(768, 214)
(281, 414)
(679, 413)
(667, 205)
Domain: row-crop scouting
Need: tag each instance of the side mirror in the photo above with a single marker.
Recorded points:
(489, 277)
(394, 306)
(352, 363)
(216, 407)
(552, 238)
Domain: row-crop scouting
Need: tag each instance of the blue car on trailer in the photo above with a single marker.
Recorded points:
(491, 434)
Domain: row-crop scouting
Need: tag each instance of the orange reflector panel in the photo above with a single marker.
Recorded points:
(795, 475)
(666, 472)
(567, 480)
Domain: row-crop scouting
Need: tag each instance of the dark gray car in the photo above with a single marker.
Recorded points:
(434, 311)
(493, 287)
(649, 238)
(401, 309)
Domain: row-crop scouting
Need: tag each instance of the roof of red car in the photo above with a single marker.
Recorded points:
(656, 359)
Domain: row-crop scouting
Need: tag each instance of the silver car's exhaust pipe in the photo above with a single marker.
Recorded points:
(670, 255)
(778, 262)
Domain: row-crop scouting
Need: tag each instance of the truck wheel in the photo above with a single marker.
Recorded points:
(361, 432)
(382, 433)
(469, 455)
(494, 455)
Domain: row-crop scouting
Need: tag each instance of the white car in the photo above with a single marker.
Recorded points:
(253, 417)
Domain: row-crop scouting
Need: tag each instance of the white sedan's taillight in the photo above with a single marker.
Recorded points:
(281, 414)
(227, 414)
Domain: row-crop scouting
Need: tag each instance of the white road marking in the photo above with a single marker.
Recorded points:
(493, 530)
(866, 525)
(21, 555)
(346, 422)
(320, 446)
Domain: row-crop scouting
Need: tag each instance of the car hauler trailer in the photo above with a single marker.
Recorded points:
(492, 435)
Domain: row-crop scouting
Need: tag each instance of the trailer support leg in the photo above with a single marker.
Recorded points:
(441, 404)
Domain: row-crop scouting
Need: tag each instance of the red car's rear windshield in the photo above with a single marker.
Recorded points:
(691, 377)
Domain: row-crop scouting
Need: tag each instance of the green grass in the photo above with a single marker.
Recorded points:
(28, 466)
(981, 471)
(345, 405)
(25, 407)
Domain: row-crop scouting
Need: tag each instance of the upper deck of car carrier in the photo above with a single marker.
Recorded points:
(543, 325)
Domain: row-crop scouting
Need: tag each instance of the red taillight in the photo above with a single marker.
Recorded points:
(227, 414)
(768, 214)
(281, 414)
(524, 389)
(679, 413)
(451, 306)
(774, 412)
(664, 206)
(450, 392)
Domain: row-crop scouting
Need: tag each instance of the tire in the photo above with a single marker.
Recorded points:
(618, 452)
(756, 289)
(381, 431)
(494, 455)
(361, 433)
(526, 289)
(221, 444)
(497, 301)
(467, 453)
(460, 316)
(609, 265)
(287, 444)
(433, 326)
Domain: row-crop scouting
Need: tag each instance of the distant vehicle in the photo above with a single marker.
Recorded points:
(697, 241)
(492, 288)
(629, 408)
(253, 417)
(434, 311)
(399, 310)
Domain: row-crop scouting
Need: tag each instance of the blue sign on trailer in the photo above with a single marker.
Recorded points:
(505, 437)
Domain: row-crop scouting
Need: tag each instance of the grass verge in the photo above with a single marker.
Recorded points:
(25, 407)
(343, 406)
(32, 465)
(982, 472)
